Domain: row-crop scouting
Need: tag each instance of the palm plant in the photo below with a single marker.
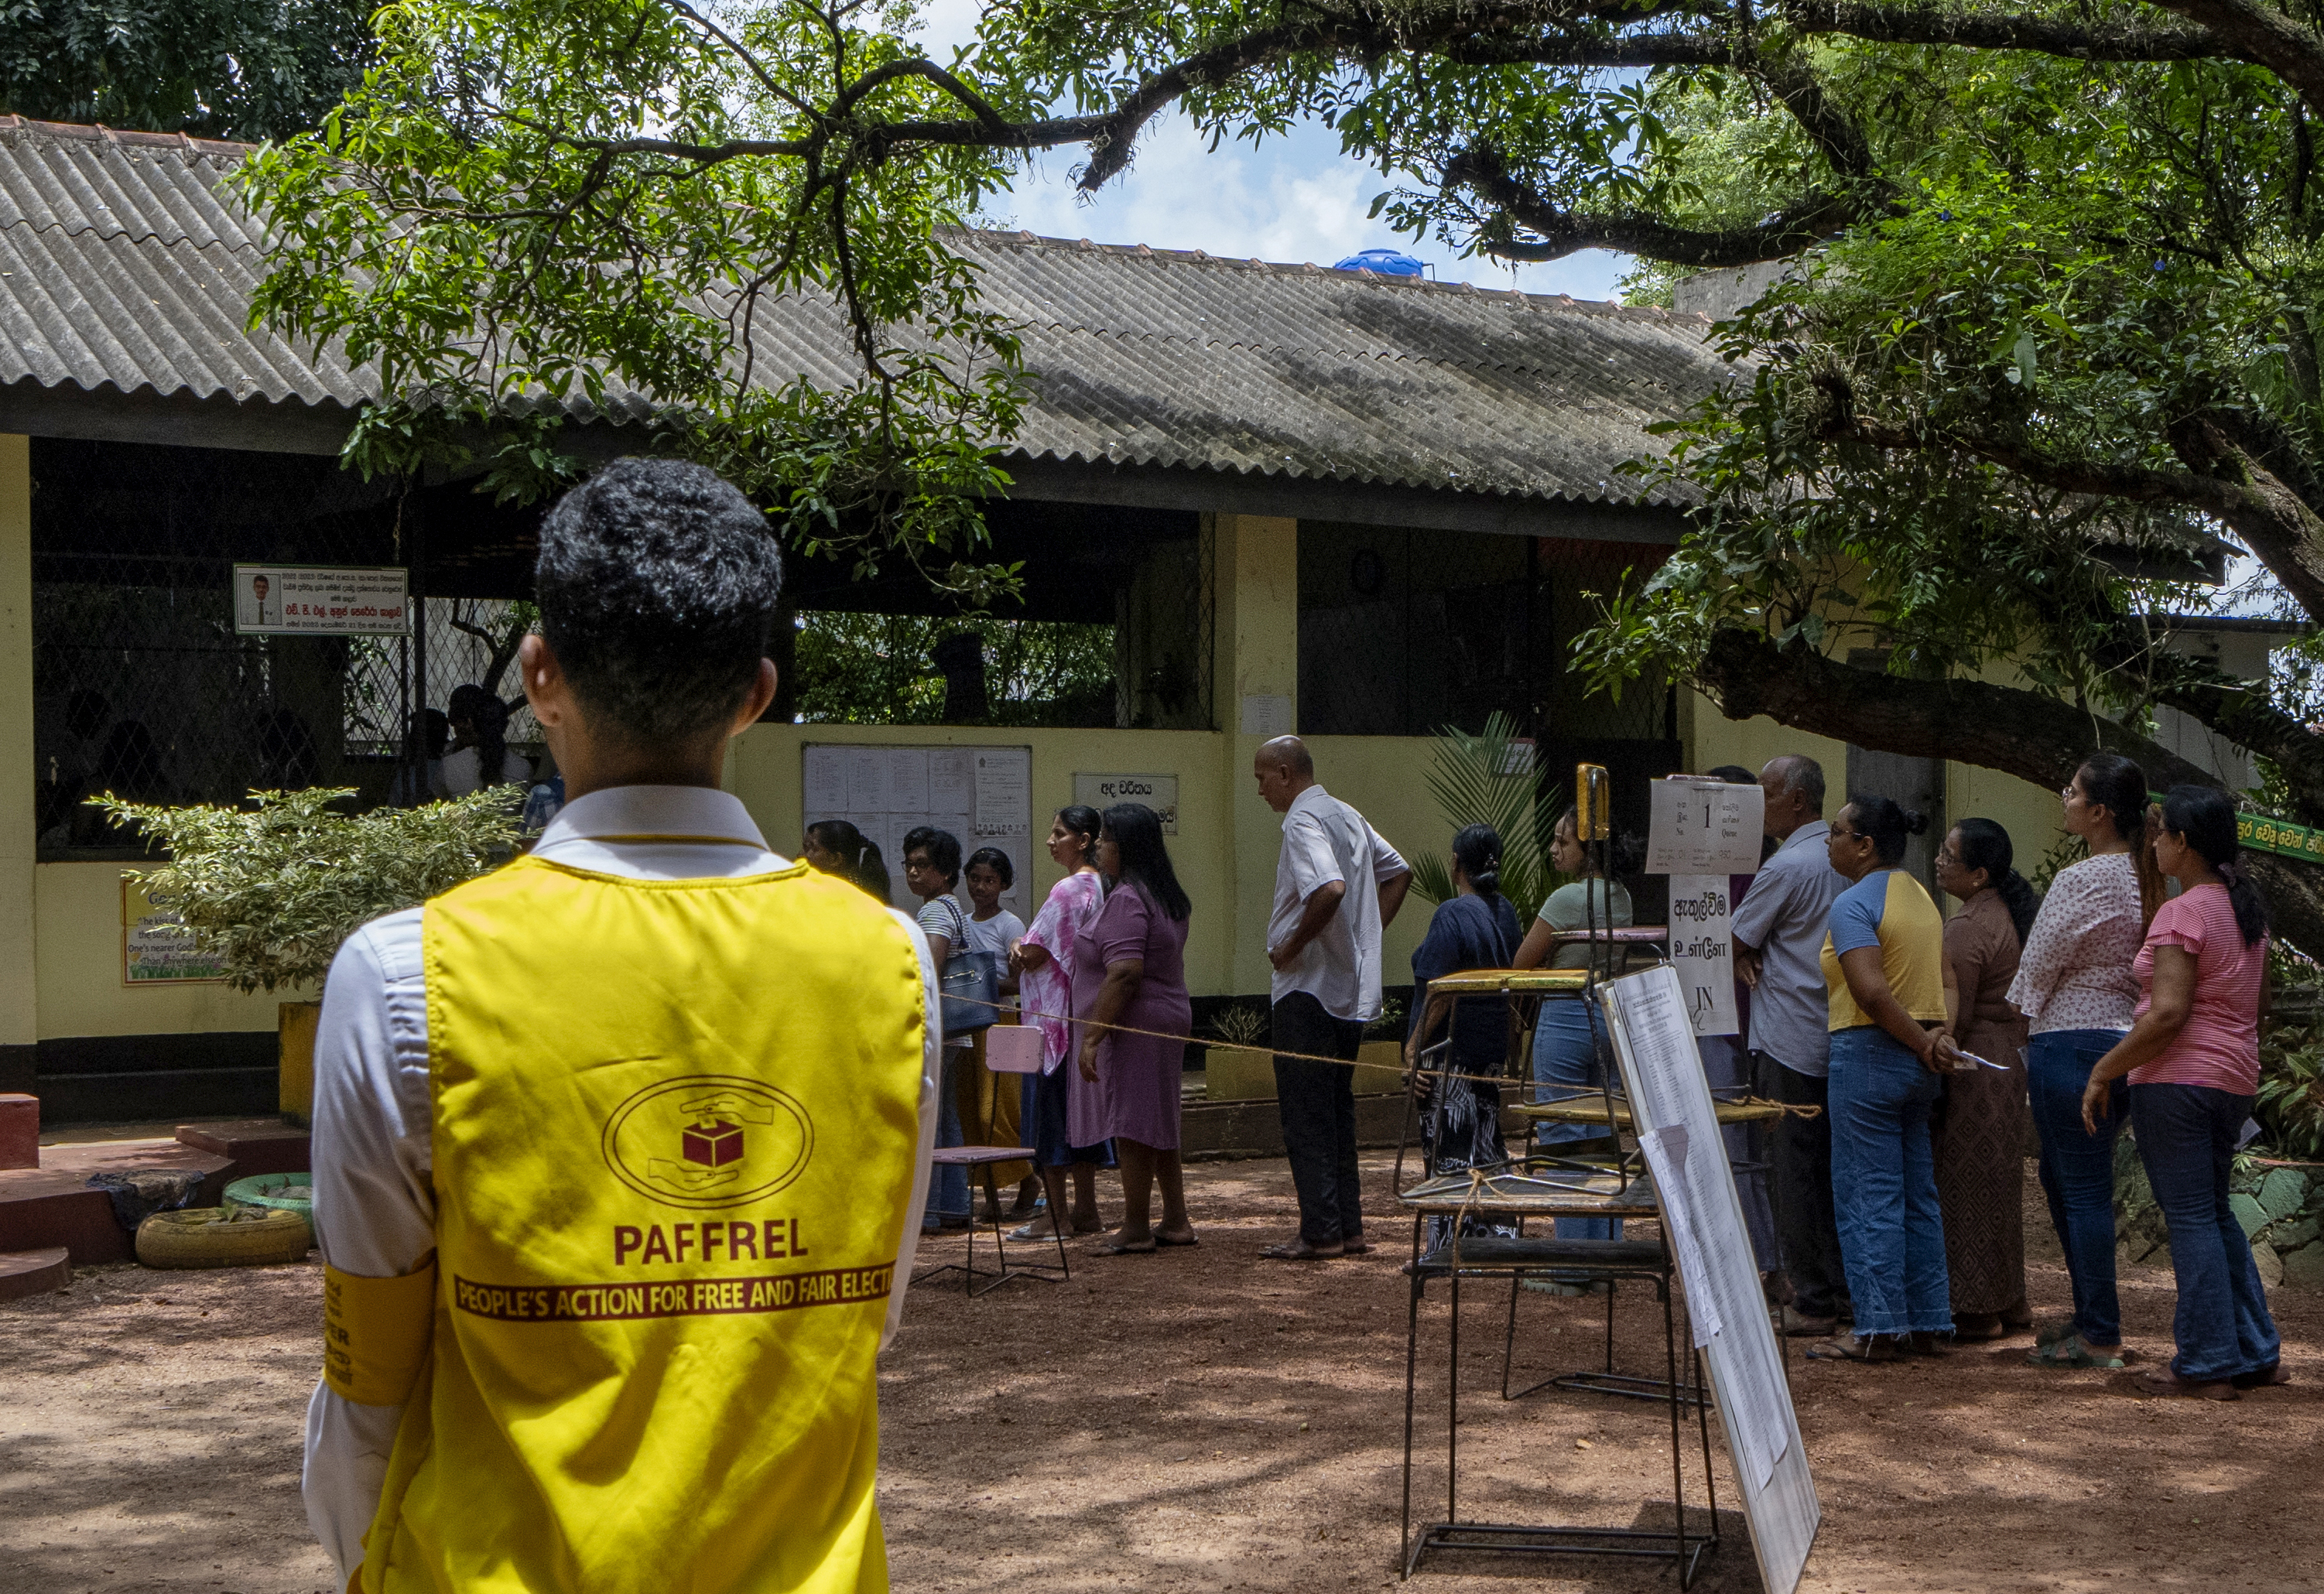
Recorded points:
(1490, 780)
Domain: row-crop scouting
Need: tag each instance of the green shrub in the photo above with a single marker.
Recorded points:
(273, 889)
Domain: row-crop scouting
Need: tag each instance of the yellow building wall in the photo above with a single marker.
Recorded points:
(77, 908)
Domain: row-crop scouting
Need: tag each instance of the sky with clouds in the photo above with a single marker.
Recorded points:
(1291, 200)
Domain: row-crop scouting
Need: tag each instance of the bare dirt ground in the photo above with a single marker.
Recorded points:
(1202, 1419)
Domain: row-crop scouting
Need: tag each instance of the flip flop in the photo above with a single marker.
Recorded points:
(1855, 1348)
(1026, 1233)
(1110, 1248)
(1300, 1252)
(2073, 1350)
(1161, 1239)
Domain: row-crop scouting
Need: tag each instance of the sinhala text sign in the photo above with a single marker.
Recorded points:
(1158, 792)
(320, 601)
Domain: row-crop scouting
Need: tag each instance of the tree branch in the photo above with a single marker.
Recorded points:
(2027, 734)
(1560, 232)
(2265, 36)
(2044, 35)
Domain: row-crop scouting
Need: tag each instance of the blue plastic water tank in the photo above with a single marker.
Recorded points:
(1387, 262)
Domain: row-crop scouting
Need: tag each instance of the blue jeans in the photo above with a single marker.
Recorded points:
(2077, 1170)
(948, 1189)
(1883, 1186)
(2186, 1137)
(1567, 1062)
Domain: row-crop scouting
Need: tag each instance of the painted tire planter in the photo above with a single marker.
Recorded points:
(222, 1237)
(274, 1192)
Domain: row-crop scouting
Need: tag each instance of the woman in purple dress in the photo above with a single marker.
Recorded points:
(1131, 970)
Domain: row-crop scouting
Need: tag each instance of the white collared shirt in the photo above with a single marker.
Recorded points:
(1324, 840)
(372, 1149)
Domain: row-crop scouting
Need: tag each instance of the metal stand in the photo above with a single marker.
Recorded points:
(1480, 1257)
(973, 1157)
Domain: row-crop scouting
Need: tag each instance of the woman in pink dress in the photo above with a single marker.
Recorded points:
(1064, 1114)
(1129, 989)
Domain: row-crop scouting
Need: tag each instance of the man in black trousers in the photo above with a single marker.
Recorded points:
(1337, 886)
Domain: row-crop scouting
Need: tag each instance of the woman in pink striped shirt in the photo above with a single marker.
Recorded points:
(2192, 1058)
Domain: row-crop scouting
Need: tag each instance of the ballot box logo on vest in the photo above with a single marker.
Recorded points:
(709, 1140)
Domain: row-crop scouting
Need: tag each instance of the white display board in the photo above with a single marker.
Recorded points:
(983, 794)
(1703, 950)
(1678, 1128)
(1704, 827)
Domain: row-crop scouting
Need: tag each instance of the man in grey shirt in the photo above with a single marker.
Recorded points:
(1779, 932)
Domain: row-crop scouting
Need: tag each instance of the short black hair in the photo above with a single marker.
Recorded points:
(658, 582)
(941, 847)
(998, 861)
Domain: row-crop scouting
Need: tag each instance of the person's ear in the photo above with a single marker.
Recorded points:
(754, 706)
(546, 688)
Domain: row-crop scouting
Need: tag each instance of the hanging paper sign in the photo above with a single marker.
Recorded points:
(1704, 827)
(1702, 951)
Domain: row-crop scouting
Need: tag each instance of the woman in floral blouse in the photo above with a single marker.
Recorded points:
(2075, 987)
(1064, 1114)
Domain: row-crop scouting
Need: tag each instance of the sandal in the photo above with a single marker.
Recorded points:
(2267, 1377)
(1114, 1248)
(2164, 1381)
(2054, 1330)
(1854, 1348)
(1299, 1252)
(1922, 1342)
(1163, 1239)
(2073, 1350)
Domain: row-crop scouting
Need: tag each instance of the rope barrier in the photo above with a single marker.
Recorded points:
(1789, 1109)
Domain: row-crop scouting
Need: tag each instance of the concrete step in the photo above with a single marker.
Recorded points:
(53, 1206)
(33, 1273)
(253, 1145)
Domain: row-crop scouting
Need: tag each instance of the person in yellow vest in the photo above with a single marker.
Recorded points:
(620, 1150)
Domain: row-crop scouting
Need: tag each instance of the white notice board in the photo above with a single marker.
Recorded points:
(983, 794)
(1662, 1070)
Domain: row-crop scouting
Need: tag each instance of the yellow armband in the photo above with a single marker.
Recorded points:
(377, 1333)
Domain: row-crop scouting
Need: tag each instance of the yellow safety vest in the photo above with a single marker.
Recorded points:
(675, 1123)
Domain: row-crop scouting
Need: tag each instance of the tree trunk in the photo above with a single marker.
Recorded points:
(2019, 732)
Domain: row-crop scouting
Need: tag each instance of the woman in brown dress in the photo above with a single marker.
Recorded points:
(1979, 1126)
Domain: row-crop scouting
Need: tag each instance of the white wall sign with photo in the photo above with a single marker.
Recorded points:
(320, 601)
(983, 794)
(1158, 792)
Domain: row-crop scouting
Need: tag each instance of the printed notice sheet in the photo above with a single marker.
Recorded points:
(1704, 827)
(1702, 951)
(983, 794)
(1678, 1130)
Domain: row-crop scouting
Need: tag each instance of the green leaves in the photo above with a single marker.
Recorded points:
(534, 208)
(272, 890)
(1490, 780)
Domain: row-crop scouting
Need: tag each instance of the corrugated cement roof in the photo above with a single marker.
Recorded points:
(123, 267)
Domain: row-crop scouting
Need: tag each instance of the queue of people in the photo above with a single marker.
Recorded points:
(1884, 1209)
(1897, 1205)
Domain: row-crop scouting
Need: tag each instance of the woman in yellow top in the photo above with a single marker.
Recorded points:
(1893, 998)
